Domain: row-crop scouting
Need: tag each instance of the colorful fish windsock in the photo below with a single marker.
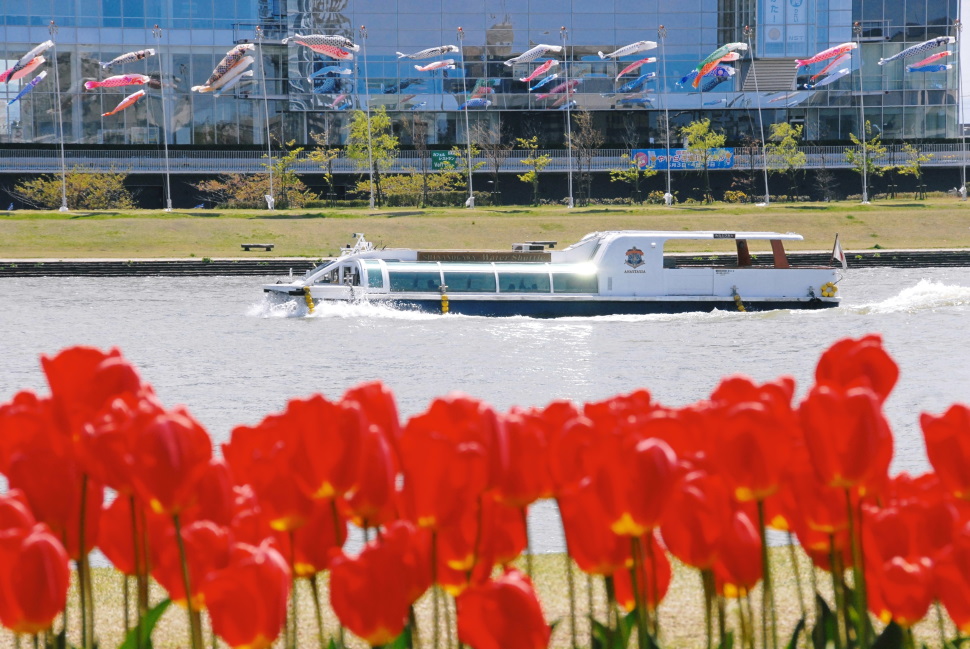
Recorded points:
(13, 74)
(448, 64)
(118, 81)
(231, 58)
(130, 57)
(632, 48)
(30, 86)
(825, 55)
(431, 52)
(313, 41)
(541, 70)
(635, 65)
(925, 46)
(30, 56)
(533, 54)
(233, 72)
(125, 103)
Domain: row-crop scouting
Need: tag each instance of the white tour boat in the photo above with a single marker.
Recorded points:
(606, 273)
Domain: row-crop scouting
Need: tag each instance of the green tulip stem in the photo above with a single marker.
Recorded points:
(317, 610)
(195, 633)
(589, 602)
(707, 582)
(767, 593)
(841, 615)
(571, 584)
(528, 542)
(793, 556)
(292, 623)
(858, 574)
(435, 591)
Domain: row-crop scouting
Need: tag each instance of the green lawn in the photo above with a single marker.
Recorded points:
(936, 223)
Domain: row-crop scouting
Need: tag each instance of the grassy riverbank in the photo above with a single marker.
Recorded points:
(936, 223)
(681, 612)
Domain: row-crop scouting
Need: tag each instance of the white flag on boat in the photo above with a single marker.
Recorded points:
(837, 253)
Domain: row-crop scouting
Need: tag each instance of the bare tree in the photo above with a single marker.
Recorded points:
(491, 139)
(585, 141)
(418, 129)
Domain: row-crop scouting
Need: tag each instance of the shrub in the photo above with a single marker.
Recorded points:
(247, 191)
(85, 191)
(733, 196)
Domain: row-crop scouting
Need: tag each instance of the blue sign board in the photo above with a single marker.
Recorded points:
(722, 158)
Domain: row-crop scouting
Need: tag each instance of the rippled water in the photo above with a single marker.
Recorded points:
(217, 346)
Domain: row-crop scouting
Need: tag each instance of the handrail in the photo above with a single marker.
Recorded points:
(214, 161)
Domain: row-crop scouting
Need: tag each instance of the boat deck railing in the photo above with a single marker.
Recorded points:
(215, 161)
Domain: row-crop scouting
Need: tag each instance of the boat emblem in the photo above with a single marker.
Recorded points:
(634, 257)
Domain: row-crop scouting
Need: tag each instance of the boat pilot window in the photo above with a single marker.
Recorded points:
(411, 281)
(332, 277)
(575, 283)
(375, 279)
(524, 282)
(350, 275)
(468, 282)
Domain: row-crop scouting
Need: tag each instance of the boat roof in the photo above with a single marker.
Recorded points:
(699, 234)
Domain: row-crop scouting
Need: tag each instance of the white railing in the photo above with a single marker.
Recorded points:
(142, 161)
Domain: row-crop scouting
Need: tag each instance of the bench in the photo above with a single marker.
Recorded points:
(249, 246)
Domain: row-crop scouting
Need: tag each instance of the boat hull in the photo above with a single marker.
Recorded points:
(584, 308)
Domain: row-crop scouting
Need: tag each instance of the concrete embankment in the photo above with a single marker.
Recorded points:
(283, 266)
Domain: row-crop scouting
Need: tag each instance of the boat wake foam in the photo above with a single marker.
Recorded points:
(272, 308)
(926, 295)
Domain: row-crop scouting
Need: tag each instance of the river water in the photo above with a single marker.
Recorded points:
(216, 345)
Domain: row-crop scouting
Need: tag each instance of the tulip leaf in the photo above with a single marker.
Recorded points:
(793, 643)
(826, 631)
(148, 625)
(605, 638)
(890, 638)
(403, 641)
(727, 642)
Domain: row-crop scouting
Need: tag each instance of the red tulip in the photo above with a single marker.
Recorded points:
(653, 577)
(858, 363)
(26, 421)
(327, 436)
(527, 478)
(595, 548)
(502, 614)
(374, 500)
(636, 484)
(214, 496)
(846, 435)
(947, 439)
(34, 578)
(170, 454)
(116, 540)
(952, 580)
(247, 598)
(377, 403)
(316, 544)
(574, 454)
(450, 455)
(754, 445)
(263, 457)
(804, 501)
(207, 549)
(372, 593)
(697, 516)
(738, 568)
(901, 589)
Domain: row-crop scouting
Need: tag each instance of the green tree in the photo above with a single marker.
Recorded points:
(324, 154)
(85, 191)
(290, 190)
(632, 174)
(913, 166)
(534, 161)
(700, 140)
(585, 141)
(383, 145)
(783, 149)
(863, 158)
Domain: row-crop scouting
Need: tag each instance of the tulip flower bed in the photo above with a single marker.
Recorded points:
(442, 499)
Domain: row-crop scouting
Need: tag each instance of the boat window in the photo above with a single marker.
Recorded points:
(575, 283)
(331, 277)
(375, 278)
(462, 282)
(406, 281)
(533, 282)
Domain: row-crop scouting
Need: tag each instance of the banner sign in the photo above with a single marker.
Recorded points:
(722, 158)
(443, 160)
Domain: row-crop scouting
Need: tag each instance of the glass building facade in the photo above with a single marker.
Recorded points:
(302, 92)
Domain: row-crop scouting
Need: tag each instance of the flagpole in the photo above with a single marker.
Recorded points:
(470, 203)
(662, 33)
(52, 29)
(269, 139)
(958, 28)
(157, 33)
(749, 32)
(370, 150)
(857, 30)
(569, 127)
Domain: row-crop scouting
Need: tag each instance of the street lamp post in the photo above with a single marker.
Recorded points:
(270, 200)
(157, 33)
(857, 30)
(569, 128)
(662, 33)
(470, 203)
(52, 29)
(370, 146)
(748, 35)
(958, 28)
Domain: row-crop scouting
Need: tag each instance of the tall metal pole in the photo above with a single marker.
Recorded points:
(370, 144)
(569, 128)
(958, 28)
(470, 203)
(662, 33)
(857, 30)
(748, 34)
(52, 29)
(157, 33)
(270, 199)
